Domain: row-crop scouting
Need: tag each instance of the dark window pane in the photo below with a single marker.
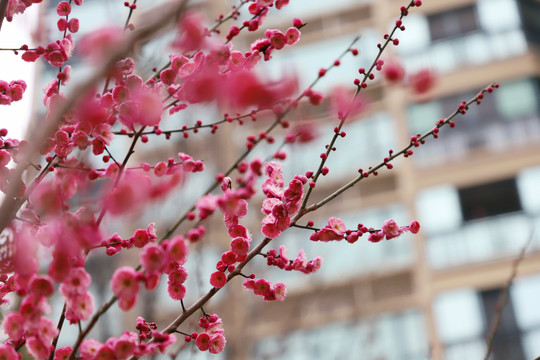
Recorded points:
(489, 199)
(507, 340)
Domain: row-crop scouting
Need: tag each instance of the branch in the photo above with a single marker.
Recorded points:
(11, 204)
(496, 321)
(3, 7)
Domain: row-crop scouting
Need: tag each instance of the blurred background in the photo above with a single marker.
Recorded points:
(475, 190)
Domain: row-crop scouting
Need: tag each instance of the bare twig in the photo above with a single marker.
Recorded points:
(496, 321)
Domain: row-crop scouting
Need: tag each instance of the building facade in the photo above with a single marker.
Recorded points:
(474, 191)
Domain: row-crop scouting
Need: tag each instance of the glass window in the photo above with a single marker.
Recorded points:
(458, 316)
(498, 15)
(527, 182)
(453, 23)
(467, 350)
(531, 344)
(416, 35)
(432, 203)
(525, 294)
(382, 337)
(489, 199)
(517, 99)
(422, 117)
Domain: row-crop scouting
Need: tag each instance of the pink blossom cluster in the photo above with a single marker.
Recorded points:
(300, 263)
(280, 202)
(79, 301)
(265, 289)
(212, 338)
(29, 323)
(139, 239)
(260, 8)
(12, 91)
(224, 76)
(390, 229)
(234, 207)
(166, 257)
(121, 348)
(19, 6)
(275, 40)
(336, 230)
(57, 52)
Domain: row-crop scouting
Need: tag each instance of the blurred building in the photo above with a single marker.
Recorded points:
(474, 191)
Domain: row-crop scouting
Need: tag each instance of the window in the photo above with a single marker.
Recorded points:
(489, 199)
(530, 12)
(479, 223)
(453, 23)
(470, 35)
(463, 318)
(393, 336)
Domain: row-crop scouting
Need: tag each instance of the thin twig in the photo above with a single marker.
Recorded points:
(496, 321)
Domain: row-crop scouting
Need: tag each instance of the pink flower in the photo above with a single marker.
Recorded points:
(236, 61)
(37, 348)
(46, 329)
(79, 307)
(62, 353)
(207, 205)
(278, 39)
(98, 43)
(393, 72)
(218, 279)
(153, 258)
(216, 343)
(124, 283)
(41, 285)
(77, 282)
(13, 325)
(422, 81)
(292, 35)
(280, 291)
(376, 236)
(203, 341)
(391, 229)
(179, 276)
(176, 291)
(192, 32)
(177, 250)
(270, 228)
(262, 287)
(63, 8)
(240, 246)
(337, 225)
(90, 348)
(8, 353)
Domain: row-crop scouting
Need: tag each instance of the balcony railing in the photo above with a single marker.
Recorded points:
(483, 240)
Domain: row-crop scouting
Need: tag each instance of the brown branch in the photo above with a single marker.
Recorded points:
(3, 7)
